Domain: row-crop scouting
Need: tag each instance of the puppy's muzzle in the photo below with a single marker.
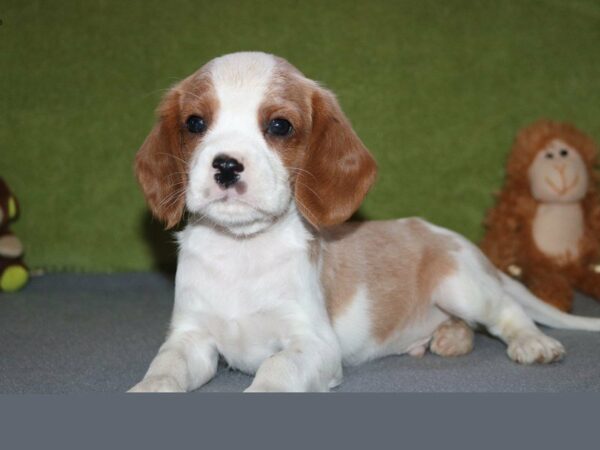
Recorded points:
(228, 170)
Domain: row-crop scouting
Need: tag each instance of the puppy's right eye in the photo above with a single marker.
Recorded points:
(549, 155)
(195, 124)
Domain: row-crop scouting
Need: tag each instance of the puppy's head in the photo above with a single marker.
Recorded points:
(244, 137)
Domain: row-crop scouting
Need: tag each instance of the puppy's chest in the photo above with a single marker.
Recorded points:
(241, 280)
(246, 298)
(245, 340)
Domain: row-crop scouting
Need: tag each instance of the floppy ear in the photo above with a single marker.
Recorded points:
(338, 169)
(160, 164)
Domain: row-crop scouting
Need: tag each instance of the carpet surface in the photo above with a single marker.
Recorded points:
(98, 333)
(437, 90)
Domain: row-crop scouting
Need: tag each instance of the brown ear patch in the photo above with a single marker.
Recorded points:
(161, 163)
(338, 170)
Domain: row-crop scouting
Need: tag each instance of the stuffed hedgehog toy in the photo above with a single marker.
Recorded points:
(545, 226)
(13, 272)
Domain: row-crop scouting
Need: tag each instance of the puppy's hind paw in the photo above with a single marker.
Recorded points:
(535, 348)
(452, 338)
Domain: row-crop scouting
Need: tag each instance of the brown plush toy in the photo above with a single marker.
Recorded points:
(545, 227)
(13, 272)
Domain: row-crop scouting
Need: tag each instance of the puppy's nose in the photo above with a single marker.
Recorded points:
(228, 170)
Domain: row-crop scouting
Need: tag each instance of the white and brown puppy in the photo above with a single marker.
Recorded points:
(266, 165)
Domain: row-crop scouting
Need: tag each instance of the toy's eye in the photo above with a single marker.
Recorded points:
(549, 155)
(564, 152)
(279, 127)
(195, 124)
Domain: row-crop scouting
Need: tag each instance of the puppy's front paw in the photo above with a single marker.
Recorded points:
(535, 348)
(157, 384)
(264, 387)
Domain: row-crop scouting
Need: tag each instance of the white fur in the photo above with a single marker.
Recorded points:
(240, 81)
(353, 328)
(476, 294)
(247, 289)
(245, 285)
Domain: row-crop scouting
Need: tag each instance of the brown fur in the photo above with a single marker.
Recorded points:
(338, 169)
(400, 278)
(330, 169)
(161, 163)
(509, 240)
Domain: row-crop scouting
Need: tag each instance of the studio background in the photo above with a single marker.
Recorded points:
(436, 90)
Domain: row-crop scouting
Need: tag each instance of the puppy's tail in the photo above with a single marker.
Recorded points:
(544, 313)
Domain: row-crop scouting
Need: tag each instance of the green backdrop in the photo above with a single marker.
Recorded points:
(436, 89)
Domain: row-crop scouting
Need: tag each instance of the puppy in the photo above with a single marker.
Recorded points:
(267, 166)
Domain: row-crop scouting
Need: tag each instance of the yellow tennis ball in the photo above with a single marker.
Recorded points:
(13, 278)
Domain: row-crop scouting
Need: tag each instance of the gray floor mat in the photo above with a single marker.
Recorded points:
(72, 333)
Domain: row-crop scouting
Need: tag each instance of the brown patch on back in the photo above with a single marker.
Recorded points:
(338, 272)
(400, 262)
(435, 262)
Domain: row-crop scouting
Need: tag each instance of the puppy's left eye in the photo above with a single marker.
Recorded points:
(279, 127)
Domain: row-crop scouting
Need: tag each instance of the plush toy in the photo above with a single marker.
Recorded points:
(545, 226)
(13, 272)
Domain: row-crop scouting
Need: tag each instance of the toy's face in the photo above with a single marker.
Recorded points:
(558, 174)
